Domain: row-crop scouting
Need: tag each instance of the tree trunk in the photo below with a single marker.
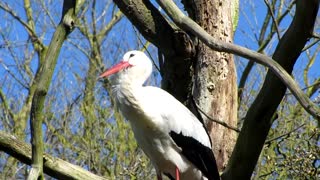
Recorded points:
(215, 88)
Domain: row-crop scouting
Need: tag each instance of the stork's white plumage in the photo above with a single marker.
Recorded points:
(169, 134)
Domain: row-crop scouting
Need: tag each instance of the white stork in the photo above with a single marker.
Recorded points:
(176, 142)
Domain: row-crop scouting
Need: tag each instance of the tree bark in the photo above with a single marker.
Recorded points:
(215, 89)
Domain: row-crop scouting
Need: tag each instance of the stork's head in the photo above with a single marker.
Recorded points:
(135, 67)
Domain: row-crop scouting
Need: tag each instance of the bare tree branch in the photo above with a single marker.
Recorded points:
(311, 44)
(218, 121)
(29, 29)
(106, 29)
(38, 46)
(52, 166)
(187, 24)
(262, 43)
(273, 18)
(43, 80)
(285, 134)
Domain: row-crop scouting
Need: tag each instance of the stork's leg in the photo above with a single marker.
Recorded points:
(177, 174)
(159, 176)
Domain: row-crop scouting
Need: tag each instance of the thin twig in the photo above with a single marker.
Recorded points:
(29, 29)
(13, 75)
(77, 45)
(115, 19)
(285, 134)
(16, 60)
(305, 88)
(145, 46)
(217, 121)
(273, 18)
(266, 174)
(311, 44)
(315, 35)
(46, 11)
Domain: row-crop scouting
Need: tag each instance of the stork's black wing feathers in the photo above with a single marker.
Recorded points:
(201, 156)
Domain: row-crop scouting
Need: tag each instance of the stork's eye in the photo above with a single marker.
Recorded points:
(131, 55)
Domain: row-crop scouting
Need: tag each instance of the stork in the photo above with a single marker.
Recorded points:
(175, 141)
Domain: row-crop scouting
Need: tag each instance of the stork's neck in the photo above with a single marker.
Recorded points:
(127, 81)
(128, 98)
(128, 84)
(126, 88)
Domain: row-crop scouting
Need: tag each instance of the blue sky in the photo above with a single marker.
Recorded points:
(250, 20)
(251, 16)
(123, 37)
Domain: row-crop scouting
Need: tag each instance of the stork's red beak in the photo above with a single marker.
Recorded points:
(116, 68)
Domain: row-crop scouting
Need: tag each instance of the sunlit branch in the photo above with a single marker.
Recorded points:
(55, 167)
